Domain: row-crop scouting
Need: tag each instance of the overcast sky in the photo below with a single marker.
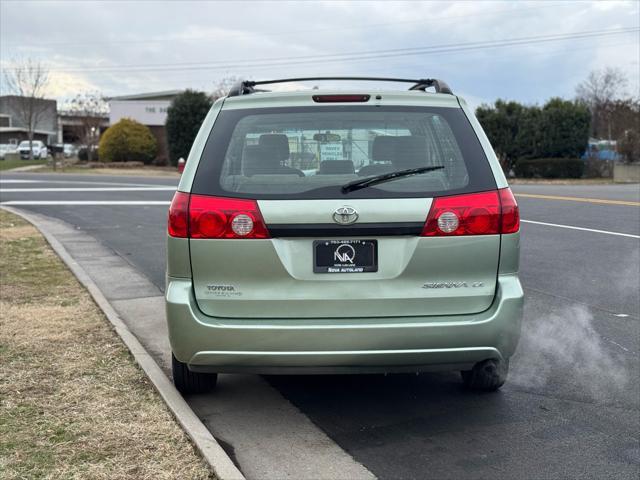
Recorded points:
(525, 50)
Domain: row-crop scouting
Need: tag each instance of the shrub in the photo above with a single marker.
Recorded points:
(83, 154)
(550, 168)
(558, 129)
(127, 140)
(184, 117)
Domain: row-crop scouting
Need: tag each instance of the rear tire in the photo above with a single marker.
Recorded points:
(486, 376)
(188, 382)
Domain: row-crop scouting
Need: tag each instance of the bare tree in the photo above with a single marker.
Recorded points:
(28, 79)
(599, 92)
(90, 109)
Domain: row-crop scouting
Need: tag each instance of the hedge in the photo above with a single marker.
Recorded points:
(549, 168)
(184, 117)
(127, 141)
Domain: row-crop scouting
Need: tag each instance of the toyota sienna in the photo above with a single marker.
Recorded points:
(342, 232)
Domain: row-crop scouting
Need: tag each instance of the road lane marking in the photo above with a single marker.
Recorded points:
(14, 180)
(603, 201)
(88, 182)
(89, 189)
(570, 227)
(85, 202)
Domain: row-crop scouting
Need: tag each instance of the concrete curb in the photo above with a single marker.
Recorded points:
(222, 466)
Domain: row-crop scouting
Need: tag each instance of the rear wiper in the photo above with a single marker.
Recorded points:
(386, 177)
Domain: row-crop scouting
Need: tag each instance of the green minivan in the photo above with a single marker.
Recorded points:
(354, 231)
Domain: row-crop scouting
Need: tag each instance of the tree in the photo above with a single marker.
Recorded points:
(599, 92)
(629, 145)
(184, 118)
(501, 123)
(128, 140)
(560, 129)
(28, 79)
(90, 109)
(565, 127)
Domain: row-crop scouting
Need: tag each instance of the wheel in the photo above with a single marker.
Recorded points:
(187, 381)
(488, 375)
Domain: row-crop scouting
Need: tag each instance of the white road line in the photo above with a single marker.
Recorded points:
(89, 189)
(85, 202)
(13, 180)
(570, 227)
(88, 182)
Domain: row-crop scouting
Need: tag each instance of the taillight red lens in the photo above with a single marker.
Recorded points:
(178, 224)
(510, 211)
(472, 214)
(216, 217)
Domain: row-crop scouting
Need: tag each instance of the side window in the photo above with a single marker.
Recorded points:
(450, 154)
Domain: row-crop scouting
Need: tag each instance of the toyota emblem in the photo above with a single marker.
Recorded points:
(345, 215)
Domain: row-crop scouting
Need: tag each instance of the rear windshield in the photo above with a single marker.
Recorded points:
(311, 152)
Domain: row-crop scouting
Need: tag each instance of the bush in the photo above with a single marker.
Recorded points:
(83, 154)
(558, 129)
(127, 140)
(184, 117)
(550, 168)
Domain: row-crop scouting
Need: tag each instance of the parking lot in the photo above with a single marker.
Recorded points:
(571, 407)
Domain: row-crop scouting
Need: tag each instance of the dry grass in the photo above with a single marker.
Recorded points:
(73, 404)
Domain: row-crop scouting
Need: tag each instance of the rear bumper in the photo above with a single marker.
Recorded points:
(342, 345)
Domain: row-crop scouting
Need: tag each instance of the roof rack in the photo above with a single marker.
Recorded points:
(246, 87)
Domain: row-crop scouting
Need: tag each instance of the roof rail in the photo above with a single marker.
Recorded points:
(246, 87)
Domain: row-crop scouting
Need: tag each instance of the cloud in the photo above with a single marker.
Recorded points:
(76, 37)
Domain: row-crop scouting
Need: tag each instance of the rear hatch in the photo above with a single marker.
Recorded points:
(316, 250)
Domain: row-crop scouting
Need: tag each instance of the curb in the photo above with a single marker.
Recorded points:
(222, 466)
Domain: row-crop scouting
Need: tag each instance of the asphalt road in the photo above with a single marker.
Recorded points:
(571, 406)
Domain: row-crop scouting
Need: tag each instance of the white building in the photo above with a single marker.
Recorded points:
(150, 109)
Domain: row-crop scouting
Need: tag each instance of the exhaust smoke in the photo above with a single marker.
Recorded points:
(565, 343)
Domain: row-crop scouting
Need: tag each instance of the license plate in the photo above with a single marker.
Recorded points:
(345, 256)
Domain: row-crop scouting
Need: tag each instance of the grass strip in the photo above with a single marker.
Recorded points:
(73, 402)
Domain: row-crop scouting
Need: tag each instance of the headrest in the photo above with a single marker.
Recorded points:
(276, 141)
(410, 152)
(257, 159)
(383, 148)
(333, 167)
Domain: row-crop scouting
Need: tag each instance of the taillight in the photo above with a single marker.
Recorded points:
(216, 217)
(178, 225)
(200, 216)
(484, 213)
(510, 212)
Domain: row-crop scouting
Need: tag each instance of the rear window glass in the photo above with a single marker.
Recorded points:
(311, 152)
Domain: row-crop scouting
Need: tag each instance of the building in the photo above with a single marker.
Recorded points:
(150, 109)
(72, 127)
(13, 124)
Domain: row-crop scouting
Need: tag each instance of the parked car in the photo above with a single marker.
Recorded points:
(38, 148)
(67, 149)
(397, 252)
(6, 148)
